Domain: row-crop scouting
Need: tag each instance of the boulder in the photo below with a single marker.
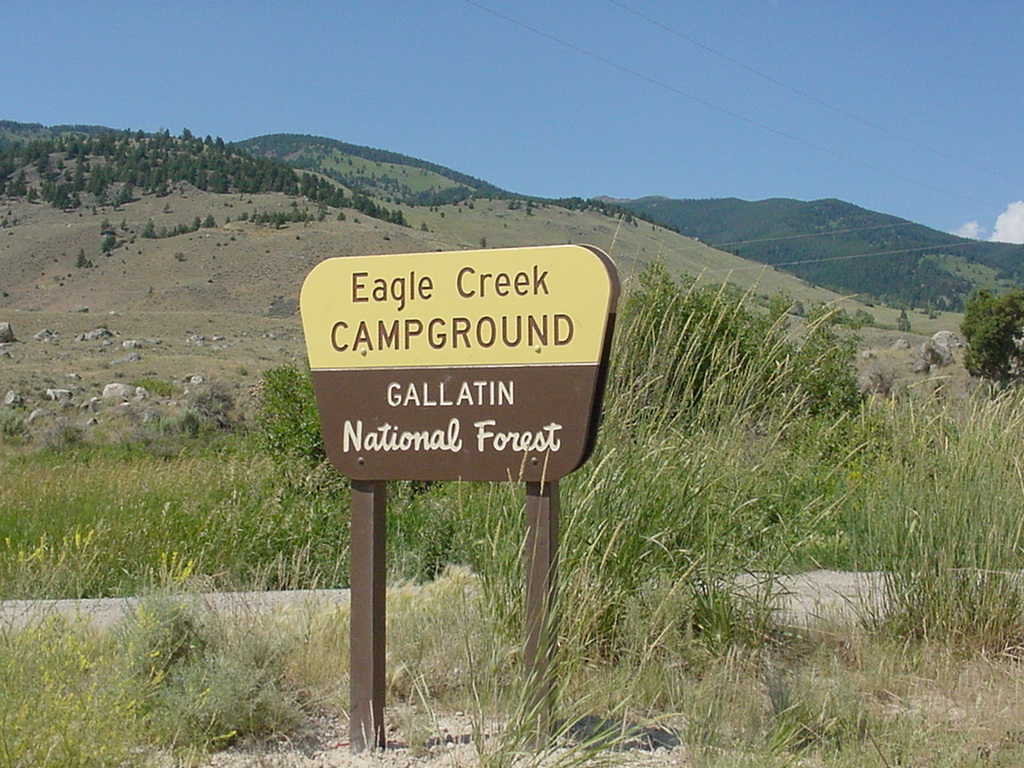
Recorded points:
(936, 354)
(948, 339)
(131, 357)
(118, 391)
(38, 415)
(97, 334)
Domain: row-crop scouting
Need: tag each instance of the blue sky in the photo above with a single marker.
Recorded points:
(912, 108)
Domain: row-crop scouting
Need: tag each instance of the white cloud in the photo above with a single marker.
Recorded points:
(1010, 224)
(971, 229)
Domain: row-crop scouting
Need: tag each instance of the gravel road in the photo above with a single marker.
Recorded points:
(104, 613)
(803, 599)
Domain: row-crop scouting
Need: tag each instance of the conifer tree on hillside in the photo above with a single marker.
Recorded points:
(994, 329)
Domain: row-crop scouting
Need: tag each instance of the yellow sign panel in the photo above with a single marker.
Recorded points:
(546, 305)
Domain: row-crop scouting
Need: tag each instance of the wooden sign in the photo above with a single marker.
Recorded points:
(463, 365)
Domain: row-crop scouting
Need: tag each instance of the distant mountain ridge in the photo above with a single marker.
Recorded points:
(845, 248)
(11, 131)
(828, 243)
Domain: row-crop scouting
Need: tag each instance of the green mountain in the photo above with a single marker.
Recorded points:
(376, 172)
(845, 248)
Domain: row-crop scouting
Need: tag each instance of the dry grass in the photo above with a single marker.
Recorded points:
(831, 696)
(242, 267)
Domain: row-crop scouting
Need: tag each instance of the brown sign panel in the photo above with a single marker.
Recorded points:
(471, 365)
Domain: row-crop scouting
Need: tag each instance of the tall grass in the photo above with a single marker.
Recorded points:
(938, 509)
(100, 524)
(695, 481)
(174, 677)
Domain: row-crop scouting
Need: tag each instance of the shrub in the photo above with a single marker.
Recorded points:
(62, 436)
(820, 367)
(158, 387)
(12, 425)
(993, 327)
(288, 424)
(208, 682)
(187, 421)
(213, 403)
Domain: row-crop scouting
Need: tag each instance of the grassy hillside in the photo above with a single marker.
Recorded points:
(376, 172)
(244, 266)
(846, 248)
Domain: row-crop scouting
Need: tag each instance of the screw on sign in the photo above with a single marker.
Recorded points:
(464, 365)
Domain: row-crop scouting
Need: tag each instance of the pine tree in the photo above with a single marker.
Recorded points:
(903, 324)
(994, 329)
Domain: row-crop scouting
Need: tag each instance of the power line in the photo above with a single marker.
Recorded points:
(851, 256)
(962, 243)
(808, 96)
(822, 233)
(844, 257)
(718, 108)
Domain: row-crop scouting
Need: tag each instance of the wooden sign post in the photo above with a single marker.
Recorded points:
(368, 618)
(541, 589)
(465, 365)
